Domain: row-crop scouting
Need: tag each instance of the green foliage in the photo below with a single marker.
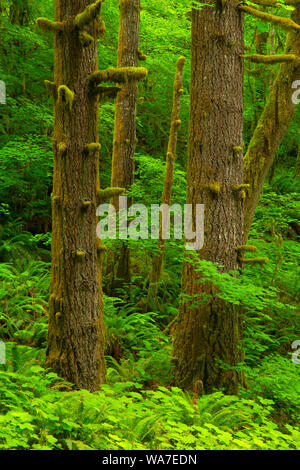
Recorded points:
(35, 413)
(139, 408)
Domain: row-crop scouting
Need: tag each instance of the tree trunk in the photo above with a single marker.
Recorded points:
(272, 125)
(211, 332)
(75, 336)
(168, 181)
(118, 265)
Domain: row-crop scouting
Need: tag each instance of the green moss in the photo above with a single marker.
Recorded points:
(236, 149)
(118, 75)
(85, 39)
(58, 316)
(105, 194)
(86, 204)
(61, 149)
(88, 15)
(255, 261)
(91, 148)
(249, 248)
(240, 187)
(66, 96)
(50, 26)
(270, 59)
(80, 254)
(215, 187)
(285, 23)
(56, 199)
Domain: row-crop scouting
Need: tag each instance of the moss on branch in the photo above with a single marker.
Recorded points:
(118, 75)
(249, 248)
(66, 96)
(275, 3)
(88, 15)
(91, 148)
(271, 59)
(108, 193)
(260, 261)
(285, 23)
(49, 26)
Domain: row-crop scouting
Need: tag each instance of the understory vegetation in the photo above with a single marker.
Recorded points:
(139, 407)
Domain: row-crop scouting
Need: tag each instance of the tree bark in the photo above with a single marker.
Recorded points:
(211, 332)
(75, 336)
(168, 181)
(272, 125)
(118, 265)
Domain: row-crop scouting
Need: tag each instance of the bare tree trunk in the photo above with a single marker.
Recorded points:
(168, 181)
(211, 331)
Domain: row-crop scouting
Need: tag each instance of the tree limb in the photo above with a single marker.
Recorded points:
(88, 15)
(118, 75)
(285, 23)
(271, 59)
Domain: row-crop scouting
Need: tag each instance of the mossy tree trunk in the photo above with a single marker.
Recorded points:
(211, 332)
(168, 181)
(272, 125)
(75, 336)
(118, 262)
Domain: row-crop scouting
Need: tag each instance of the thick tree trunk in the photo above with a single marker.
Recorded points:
(272, 126)
(118, 265)
(168, 181)
(75, 336)
(211, 332)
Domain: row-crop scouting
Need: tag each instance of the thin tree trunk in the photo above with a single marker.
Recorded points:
(272, 126)
(168, 181)
(19, 12)
(118, 265)
(211, 332)
(75, 336)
